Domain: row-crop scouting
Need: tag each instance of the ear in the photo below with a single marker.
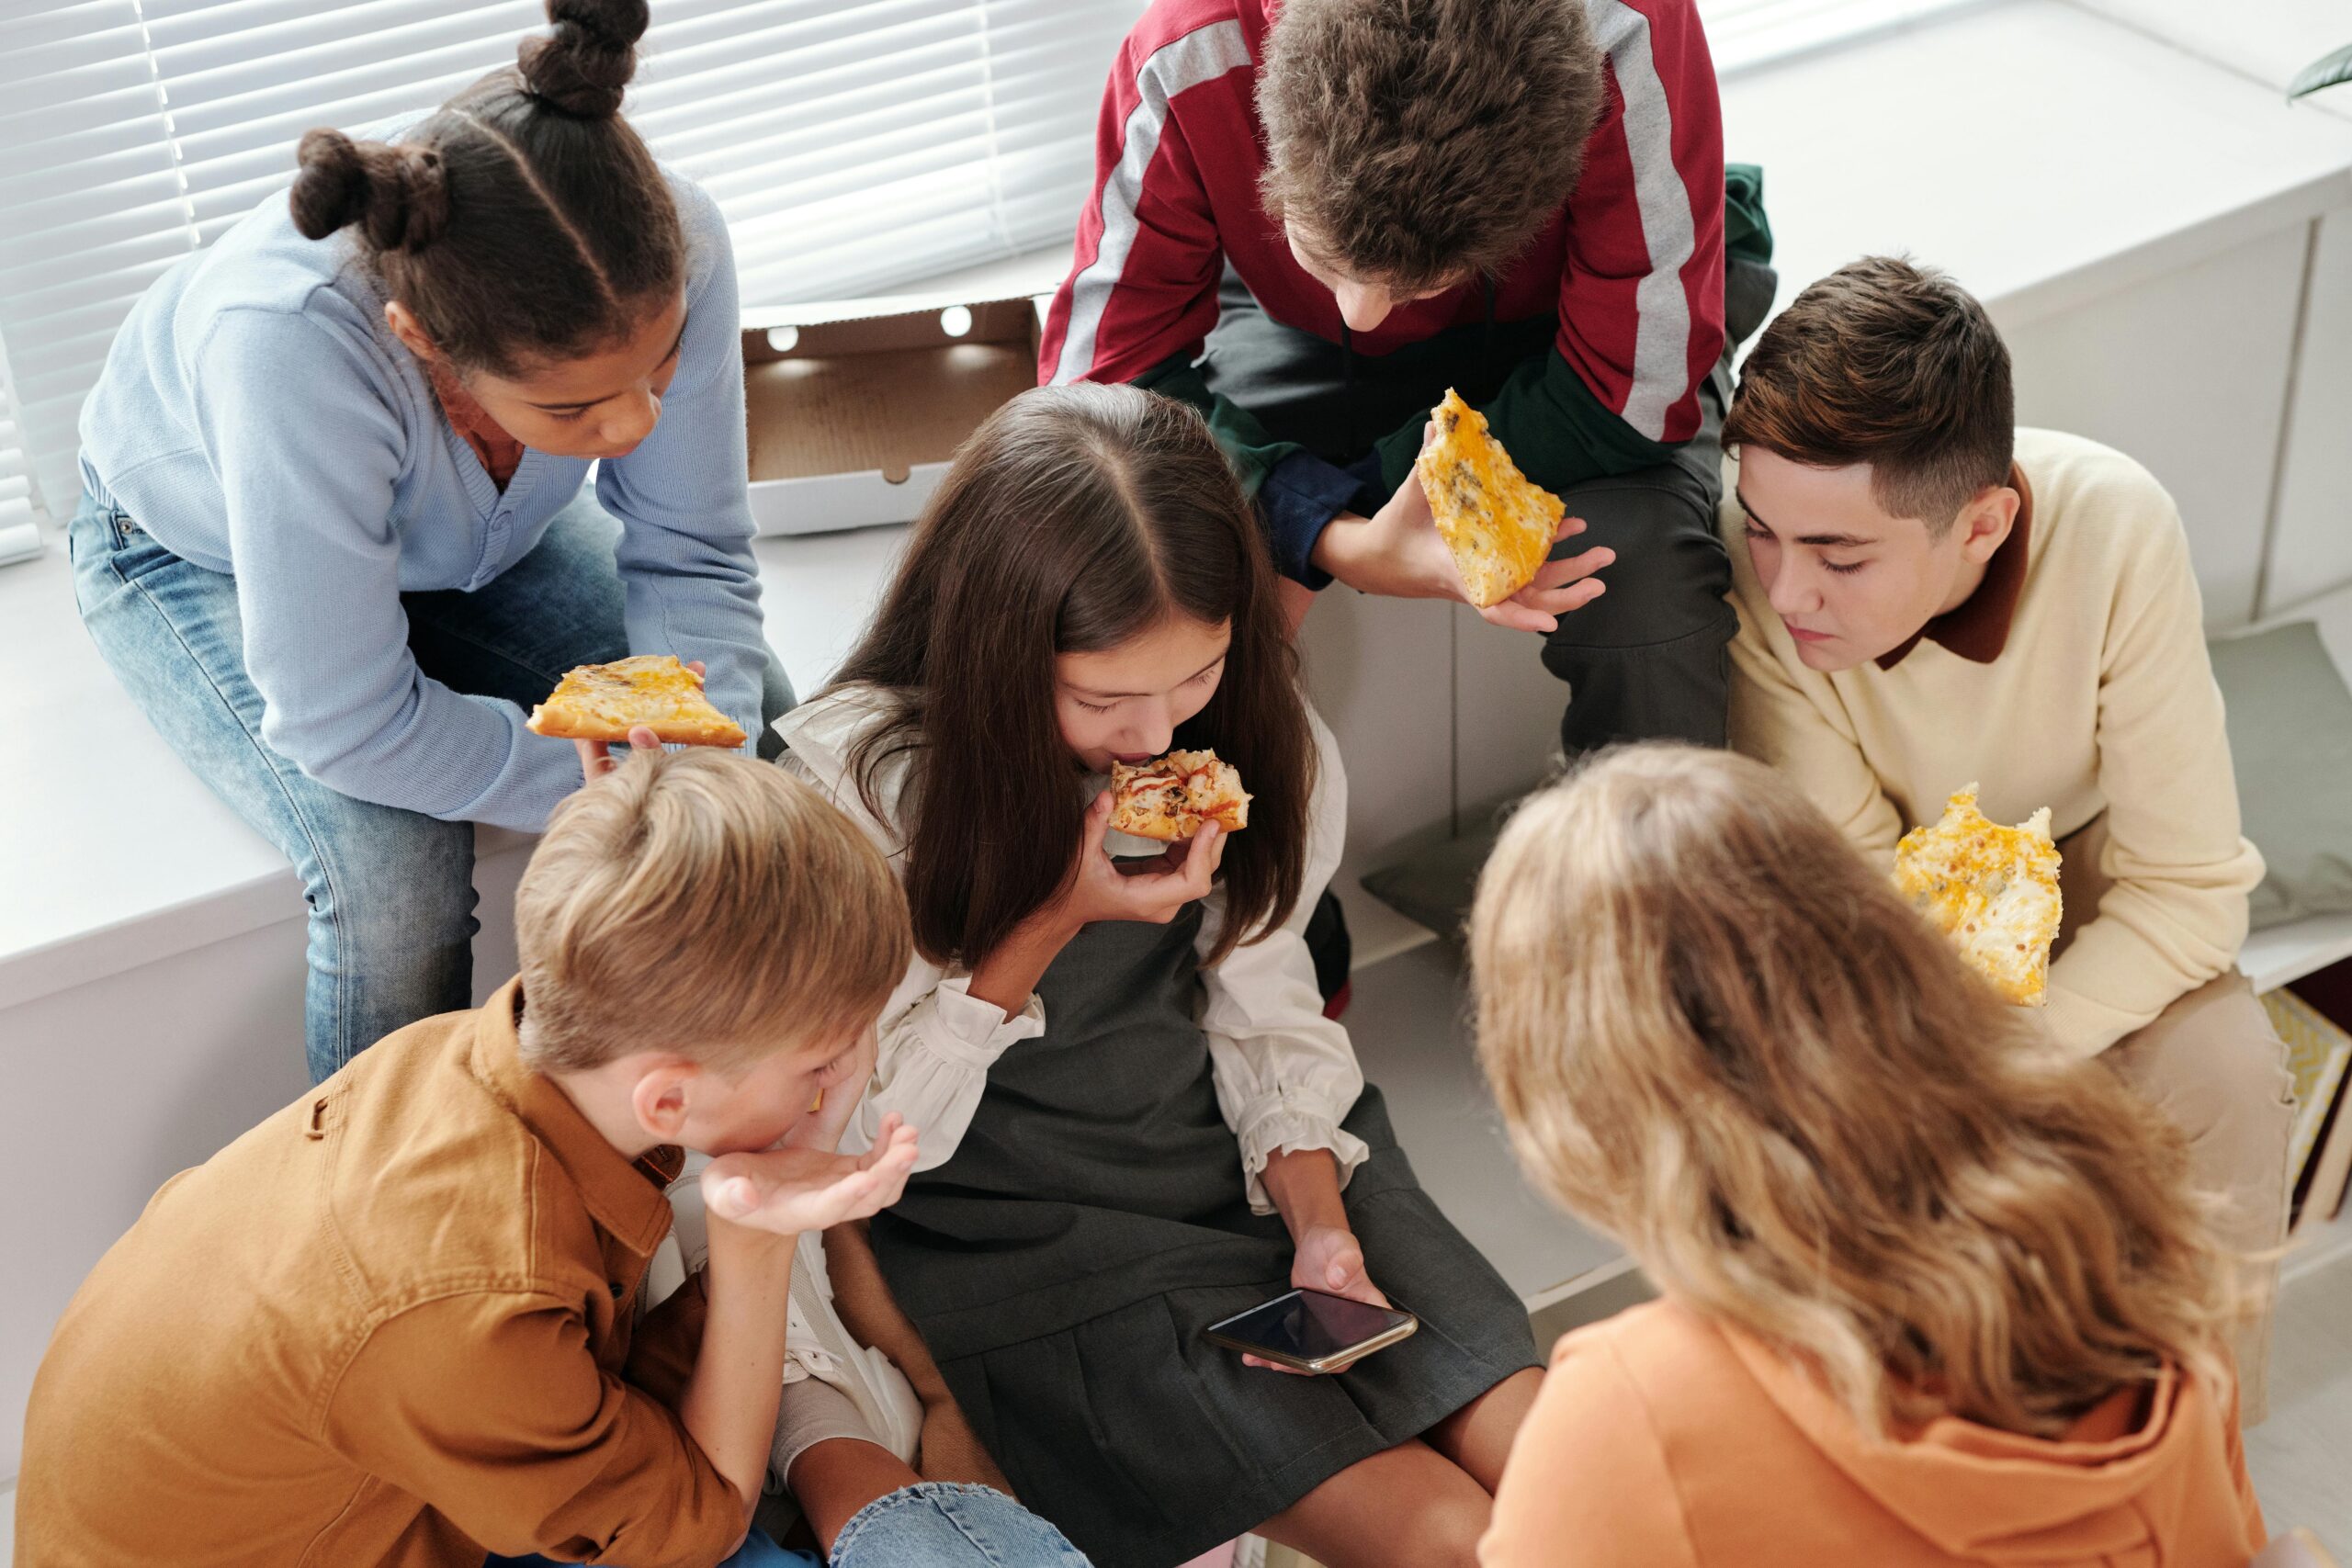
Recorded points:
(664, 1096)
(405, 327)
(1984, 523)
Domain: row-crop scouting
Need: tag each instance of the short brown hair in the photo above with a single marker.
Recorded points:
(703, 903)
(1415, 142)
(1887, 363)
(1719, 1035)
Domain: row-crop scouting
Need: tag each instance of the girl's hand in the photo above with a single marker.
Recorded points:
(1151, 889)
(822, 1127)
(598, 758)
(1330, 1259)
(786, 1190)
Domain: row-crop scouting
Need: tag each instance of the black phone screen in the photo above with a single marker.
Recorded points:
(1310, 1325)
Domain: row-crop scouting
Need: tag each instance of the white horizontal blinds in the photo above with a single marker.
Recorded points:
(91, 209)
(133, 131)
(1749, 32)
(852, 146)
(856, 146)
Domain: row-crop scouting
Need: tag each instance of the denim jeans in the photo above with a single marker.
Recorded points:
(389, 892)
(931, 1525)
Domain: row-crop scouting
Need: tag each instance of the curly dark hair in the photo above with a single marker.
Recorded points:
(1417, 143)
(523, 220)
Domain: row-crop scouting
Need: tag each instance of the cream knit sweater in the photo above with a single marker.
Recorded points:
(2101, 700)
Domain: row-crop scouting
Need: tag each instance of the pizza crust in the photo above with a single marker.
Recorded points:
(1498, 525)
(1993, 890)
(1174, 796)
(605, 702)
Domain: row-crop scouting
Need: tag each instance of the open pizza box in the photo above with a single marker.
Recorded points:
(855, 409)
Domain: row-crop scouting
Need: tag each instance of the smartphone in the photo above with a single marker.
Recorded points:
(1313, 1331)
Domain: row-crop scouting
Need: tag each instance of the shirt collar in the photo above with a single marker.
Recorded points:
(1978, 629)
(625, 1197)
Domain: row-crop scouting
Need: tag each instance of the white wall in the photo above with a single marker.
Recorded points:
(2187, 373)
(2312, 547)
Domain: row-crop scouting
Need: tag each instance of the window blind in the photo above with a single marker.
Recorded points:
(851, 145)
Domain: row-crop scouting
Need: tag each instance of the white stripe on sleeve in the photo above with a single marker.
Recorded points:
(1662, 335)
(1199, 56)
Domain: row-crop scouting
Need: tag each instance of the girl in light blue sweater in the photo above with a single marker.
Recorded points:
(333, 536)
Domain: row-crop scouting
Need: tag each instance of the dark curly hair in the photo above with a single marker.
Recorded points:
(1417, 142)
(523, 219)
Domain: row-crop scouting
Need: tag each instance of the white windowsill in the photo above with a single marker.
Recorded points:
(2045, 154)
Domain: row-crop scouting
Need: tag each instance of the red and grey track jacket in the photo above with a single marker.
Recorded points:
(1632, 263)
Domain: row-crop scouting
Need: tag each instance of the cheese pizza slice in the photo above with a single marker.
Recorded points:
(1174, 796)
(1498, 527)
(1993, 890)
(604, 702)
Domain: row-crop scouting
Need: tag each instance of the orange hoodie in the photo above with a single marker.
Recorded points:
(1664, 1440)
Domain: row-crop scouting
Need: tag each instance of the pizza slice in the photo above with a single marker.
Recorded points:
(1174, 796)
(604, 702)
(1498, 525)
(1993, 890)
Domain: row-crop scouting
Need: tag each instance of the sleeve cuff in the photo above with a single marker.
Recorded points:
(1279, 1121)
(1300, 496)
(973, 1033)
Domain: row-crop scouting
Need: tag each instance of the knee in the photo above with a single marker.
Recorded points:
(1447, 1530)
(2221, 1062)
(392, 885)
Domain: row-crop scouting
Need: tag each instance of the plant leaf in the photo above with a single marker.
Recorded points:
(2326, 71)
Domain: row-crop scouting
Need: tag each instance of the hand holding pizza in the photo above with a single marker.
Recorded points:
(1399, 552)
(1151, 889)
(598, 758)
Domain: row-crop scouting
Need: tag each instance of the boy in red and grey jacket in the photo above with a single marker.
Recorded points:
(1311, 218)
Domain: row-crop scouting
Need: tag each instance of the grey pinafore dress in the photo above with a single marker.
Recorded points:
(1093, 1221)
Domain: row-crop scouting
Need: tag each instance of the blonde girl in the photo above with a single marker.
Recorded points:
(1932, 1294)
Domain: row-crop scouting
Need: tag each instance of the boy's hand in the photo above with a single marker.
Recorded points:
(786, 1190)
(598, 758)
(1398, 552)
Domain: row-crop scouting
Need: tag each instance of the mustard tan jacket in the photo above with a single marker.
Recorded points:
(390, 1326)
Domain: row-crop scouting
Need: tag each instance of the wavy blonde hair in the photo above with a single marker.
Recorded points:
(1717, 1034)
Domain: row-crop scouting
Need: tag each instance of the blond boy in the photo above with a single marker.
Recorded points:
(393, 1324)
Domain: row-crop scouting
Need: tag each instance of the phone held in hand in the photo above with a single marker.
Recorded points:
(1313, 1331)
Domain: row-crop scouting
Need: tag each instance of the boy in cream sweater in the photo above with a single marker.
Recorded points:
(1928, 597)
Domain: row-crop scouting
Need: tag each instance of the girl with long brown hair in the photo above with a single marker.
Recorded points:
(1135, 1120)
(1932, 1293)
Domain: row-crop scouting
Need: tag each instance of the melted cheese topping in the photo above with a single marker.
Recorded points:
(1174, 796)
(1498, 527)
(1993, 890)
(654, 690)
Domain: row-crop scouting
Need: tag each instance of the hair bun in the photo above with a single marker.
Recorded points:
(396, 195)
(582, 68)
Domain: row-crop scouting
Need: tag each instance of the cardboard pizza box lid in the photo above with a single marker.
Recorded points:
(854, 410)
